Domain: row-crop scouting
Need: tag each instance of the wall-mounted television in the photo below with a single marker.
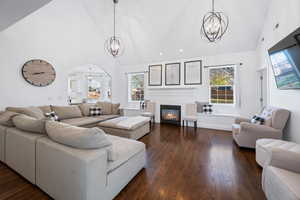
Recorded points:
(285, 60)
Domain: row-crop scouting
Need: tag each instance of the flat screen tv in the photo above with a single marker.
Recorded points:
(285, 60)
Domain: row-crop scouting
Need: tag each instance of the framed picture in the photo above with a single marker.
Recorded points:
(155, 75)
(193, 72)
(172, 74)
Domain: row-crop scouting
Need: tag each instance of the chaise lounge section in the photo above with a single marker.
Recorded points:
(69, 173)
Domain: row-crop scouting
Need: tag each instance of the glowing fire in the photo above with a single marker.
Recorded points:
(170, 116)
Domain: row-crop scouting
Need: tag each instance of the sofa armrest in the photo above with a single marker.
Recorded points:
(68, 173)
(260, 130)
(239, 120)
(284, 159)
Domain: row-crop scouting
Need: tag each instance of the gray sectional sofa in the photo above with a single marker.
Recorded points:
(67, 173)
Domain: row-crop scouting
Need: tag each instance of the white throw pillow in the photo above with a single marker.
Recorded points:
(77, 137)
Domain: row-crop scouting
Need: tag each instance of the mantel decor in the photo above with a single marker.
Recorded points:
(172, 74)
(38, 73)
(193, 72)
(155, 75)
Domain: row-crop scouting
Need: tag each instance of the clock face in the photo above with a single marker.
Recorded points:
(38, 73)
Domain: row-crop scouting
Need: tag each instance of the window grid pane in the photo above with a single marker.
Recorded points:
(222, 94)
(222, 85)
(136, 87)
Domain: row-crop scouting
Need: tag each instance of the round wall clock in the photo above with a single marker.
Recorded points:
(38, 73)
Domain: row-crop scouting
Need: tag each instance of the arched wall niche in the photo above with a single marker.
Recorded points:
(89, 84)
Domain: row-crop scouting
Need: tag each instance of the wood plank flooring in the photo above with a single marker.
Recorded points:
(183, 164)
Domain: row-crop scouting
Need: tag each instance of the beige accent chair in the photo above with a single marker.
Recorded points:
(190, 115)
(281, 175)
(150, 111)
(246, 133)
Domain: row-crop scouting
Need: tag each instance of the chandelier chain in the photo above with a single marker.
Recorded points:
(114, 19)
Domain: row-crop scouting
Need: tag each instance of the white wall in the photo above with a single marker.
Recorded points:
(61, 33)
(286, 13)
(248, 79)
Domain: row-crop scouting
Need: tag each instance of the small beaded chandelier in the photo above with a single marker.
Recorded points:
(114, 45)
(214, 25)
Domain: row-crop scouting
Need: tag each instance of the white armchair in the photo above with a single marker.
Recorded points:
(281, 175)
(245, 133)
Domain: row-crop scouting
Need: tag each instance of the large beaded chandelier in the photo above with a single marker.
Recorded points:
(214, 25)
(114, 44)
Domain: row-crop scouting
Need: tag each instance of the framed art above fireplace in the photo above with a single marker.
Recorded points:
(193, 72)
(155, 75)
(172, 74)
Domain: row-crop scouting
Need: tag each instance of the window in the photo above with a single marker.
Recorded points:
(222, 85)
(135, 87)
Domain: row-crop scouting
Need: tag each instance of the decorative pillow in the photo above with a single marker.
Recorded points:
(257, 120)
(52, 116)
(67, 112)
(77, 137)
(45, 109)
(106, 107)
(95, 111)
(85, 108)
(207, 108)
(115, 109)
(6, 118)
(30, 124)
(200, 106)
(268, 122)
(29, 111)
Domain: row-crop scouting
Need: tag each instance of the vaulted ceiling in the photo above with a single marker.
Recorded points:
(151, 27)
(12, 11)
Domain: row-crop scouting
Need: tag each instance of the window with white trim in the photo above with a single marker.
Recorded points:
(222, 85)
(136, 87)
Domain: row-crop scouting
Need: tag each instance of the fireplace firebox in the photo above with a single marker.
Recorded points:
(170, 114)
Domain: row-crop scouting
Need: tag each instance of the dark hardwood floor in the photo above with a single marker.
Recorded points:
(183, 164)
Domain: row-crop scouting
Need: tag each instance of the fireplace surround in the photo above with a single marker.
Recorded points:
(170, 114)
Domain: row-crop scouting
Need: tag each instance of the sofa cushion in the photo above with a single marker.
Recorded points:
(115, 108)
(30, 111)
(106, 107)
(84, 121)
(45, 109)
(67, 112)
(85, 108)
(123, 149)
(6, 118)
(77, 137)
(30, 124)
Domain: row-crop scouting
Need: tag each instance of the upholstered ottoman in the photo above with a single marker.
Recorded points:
(128, 127)
(264, 147)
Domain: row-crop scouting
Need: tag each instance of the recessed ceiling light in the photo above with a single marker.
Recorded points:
(180, 50)
(161, 53)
